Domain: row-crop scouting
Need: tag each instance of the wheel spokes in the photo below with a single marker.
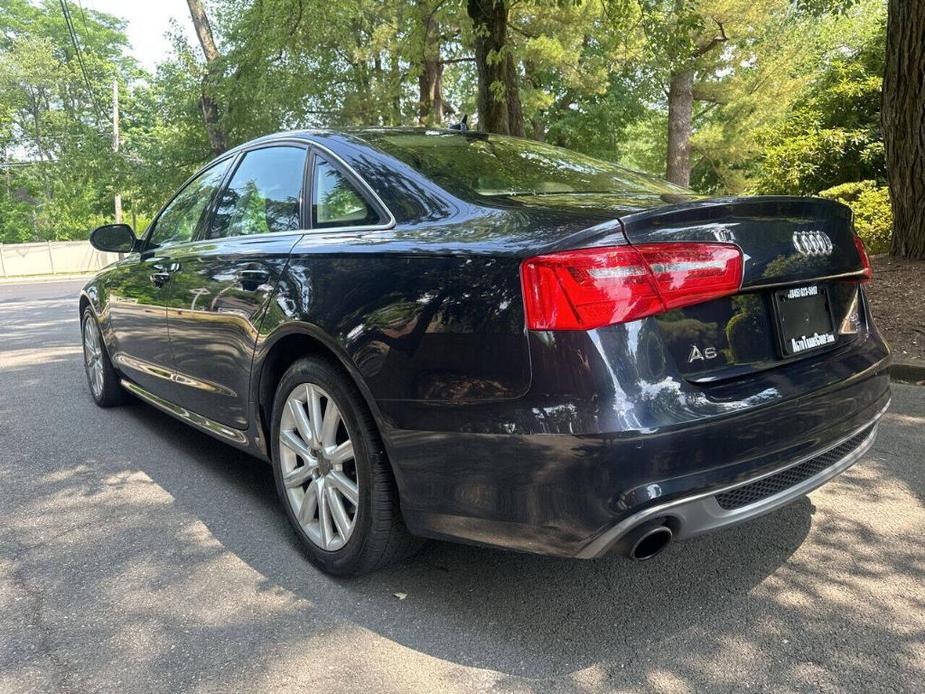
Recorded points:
(93, 356)
(342, 453)
(345, 486)
(302, 424)
(315, 447)
(338, 513)
(299, 476)
(309, 503)
(324, 514)
(90, 340)
(313, 403)
(330, 424)
(291, 441)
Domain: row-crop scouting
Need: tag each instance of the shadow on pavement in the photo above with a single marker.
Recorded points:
(824, 596)
(547, 616)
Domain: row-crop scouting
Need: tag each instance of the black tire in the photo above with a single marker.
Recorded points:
(379, 536)
(110, 393)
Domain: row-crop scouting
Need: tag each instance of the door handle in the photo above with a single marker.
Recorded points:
(251, 280)
(159, 279)
(163, 272)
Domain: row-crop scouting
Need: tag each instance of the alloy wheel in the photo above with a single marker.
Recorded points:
(318, 466)
(93, 356)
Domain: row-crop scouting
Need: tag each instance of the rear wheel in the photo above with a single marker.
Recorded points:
(101, 375)
(332, 474)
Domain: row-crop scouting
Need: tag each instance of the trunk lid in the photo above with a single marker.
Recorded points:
(800, 292)
(800, 287)
(784, 239)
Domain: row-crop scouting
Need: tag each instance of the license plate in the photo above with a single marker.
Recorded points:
(804, 319)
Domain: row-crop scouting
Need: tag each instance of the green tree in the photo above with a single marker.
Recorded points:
(727, 95)
(59, 171)
(831, 133)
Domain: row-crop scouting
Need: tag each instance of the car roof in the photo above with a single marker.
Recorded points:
(332, 137)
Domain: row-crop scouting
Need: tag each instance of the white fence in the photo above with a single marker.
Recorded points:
(51, 258)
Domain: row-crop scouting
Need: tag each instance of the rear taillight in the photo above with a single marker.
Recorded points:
(594, 287)
(865, 259)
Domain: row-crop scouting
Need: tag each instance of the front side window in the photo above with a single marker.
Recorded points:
(180, 219)
(263, 195)
(335, 201)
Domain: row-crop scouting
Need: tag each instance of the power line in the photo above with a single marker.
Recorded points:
(83, 68)
(83, 16)
(65, 10)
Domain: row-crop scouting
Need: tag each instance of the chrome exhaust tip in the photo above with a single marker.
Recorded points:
(646, 541)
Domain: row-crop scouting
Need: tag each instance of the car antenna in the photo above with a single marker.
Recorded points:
(462, 126)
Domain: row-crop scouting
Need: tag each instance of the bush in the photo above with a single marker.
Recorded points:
(873, 216)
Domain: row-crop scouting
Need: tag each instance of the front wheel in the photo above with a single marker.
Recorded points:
(101, 376)
(332, 474)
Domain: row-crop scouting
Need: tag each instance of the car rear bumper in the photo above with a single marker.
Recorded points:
(736, 503)
(569, 480)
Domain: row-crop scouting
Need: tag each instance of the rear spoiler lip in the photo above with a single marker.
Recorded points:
(745, 201)
(613, 232)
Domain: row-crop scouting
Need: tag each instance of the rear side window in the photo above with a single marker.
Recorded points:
(263, 196)
(336, 201)
(180, 219)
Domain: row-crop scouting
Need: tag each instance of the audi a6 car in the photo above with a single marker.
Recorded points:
(447, 334)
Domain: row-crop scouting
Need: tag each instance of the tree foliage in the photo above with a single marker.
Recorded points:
(831, 134)
(783, 96)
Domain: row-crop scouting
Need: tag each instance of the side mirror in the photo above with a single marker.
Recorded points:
(113, 238)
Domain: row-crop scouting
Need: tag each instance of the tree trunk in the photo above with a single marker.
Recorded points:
(209, 110)
(903, 115)
(515, 115)
(680, 115)
(207, 103)
(430, 102)
(430, 83)
(681, 105)
(498, 95)
(395, 84)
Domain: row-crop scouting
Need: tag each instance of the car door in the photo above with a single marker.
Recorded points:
(138, 286)
(222, 281)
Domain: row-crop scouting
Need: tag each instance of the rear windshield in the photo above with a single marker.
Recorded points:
(493, 165)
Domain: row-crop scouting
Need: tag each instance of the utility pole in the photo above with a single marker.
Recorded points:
(115, 140)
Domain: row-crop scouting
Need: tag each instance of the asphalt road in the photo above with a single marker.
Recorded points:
(139, 555)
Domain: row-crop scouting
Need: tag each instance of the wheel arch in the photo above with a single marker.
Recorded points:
(280, 350)
(90, 298)
(83, 303)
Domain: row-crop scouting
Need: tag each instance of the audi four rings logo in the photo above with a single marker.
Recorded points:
(813, 242)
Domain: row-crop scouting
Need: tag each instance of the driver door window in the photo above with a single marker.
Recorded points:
(264, 195)
(181, 218)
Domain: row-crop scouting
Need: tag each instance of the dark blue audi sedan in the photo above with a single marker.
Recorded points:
(448, 334)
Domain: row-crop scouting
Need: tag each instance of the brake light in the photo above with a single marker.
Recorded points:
(865, 259)
(594, 287)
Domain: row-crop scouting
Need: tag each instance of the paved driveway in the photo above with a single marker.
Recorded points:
(139, 555)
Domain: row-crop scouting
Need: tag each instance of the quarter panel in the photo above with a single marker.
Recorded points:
(424, 327)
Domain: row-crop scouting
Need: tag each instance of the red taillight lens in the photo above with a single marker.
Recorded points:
(594, 287)
(865, 259)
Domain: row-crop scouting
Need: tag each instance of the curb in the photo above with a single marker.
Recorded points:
(908, 372)
(34, 279)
